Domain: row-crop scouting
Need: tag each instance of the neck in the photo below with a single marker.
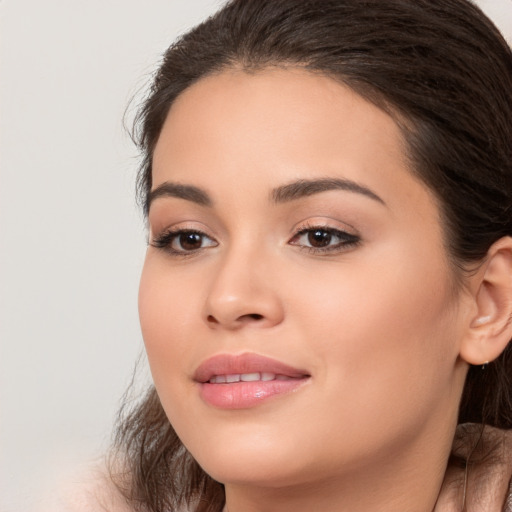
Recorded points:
(410, 481)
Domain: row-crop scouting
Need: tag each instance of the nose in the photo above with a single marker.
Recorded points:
(243, 294)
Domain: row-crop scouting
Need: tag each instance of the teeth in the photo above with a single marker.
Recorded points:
(246, 377)
(250, 377)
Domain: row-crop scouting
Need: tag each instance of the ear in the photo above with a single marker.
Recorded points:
(490, 328)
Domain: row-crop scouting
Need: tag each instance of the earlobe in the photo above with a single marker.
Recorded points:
(490, 329)
(482, 320)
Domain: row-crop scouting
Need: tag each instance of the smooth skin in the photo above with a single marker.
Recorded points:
(351, 282)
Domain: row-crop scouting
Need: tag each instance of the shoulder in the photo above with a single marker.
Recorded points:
(91, 490)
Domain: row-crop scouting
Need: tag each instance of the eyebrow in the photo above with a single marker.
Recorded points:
(187, 192)
(304, 188)
(283, 194)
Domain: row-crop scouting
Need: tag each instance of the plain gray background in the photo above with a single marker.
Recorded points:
(71, 238)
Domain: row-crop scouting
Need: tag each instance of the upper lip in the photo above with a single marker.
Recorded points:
(230, 364)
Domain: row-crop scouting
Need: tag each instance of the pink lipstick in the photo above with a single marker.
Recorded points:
(242, 381)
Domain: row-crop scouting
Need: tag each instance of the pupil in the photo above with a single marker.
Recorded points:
(319, 238)
(190, 241)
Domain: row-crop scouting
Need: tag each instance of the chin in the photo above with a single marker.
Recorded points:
(250, 459)
(261, 471)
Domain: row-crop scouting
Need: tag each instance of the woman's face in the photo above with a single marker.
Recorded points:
(296, 302)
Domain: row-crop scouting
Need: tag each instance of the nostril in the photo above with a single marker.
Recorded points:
(242, 319)
(212, 319)
(252, 316)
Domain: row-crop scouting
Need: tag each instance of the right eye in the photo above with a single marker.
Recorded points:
(183, 241)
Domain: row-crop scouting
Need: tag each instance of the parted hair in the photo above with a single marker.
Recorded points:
(443, 71)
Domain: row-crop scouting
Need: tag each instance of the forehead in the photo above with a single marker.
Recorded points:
(251, 109)
(270, 127)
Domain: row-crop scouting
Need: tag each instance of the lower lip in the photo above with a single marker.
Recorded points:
(243, 395)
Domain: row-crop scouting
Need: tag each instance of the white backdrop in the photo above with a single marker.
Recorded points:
(71, 238)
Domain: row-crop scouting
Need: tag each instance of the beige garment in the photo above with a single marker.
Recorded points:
(90, 491)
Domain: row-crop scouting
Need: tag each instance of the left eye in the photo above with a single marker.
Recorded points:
(323, 239)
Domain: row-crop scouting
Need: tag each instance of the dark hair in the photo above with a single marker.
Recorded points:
(443, 71)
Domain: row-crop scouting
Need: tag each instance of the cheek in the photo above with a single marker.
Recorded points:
(391, 312)
(389, 321)
(164, 312)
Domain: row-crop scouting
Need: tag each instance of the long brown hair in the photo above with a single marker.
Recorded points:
(443, 70)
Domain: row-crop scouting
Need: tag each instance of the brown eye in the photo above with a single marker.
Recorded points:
(319, 238)
(183, 241)
(189, 241)
(322, 240)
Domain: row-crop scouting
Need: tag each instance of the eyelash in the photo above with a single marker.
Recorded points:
(347, 240)
(165, 240)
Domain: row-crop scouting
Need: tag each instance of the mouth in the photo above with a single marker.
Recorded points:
(243, 381)
(247, 377)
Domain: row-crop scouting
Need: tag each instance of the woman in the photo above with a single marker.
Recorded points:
(327, 290)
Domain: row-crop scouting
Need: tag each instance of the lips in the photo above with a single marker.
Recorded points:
(241, 381)
(228, 364)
